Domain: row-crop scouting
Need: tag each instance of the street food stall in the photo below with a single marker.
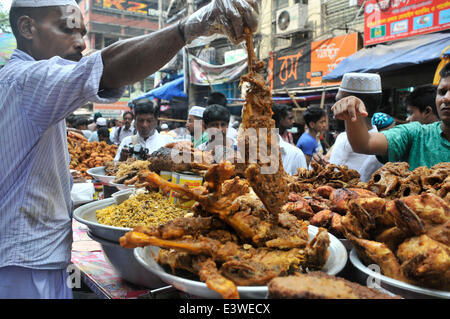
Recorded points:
(197, 227)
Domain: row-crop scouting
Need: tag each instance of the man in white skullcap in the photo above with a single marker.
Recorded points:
(415, 143)
(367, 87)
(196, 126)
(46, 79)
(100, 122)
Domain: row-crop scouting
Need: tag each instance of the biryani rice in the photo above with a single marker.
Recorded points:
(147, 209)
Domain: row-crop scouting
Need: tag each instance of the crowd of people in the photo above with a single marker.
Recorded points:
(210, 126)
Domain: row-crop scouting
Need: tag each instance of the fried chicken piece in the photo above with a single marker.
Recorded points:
(259, 267)
(386, 180)
(317, 250)
(366, 217)
(324, 191)
(437, 174)
(444, 190)
(340, 197)
(318, 204)
(298, 207)
(391, 237)
(336, 227)
(214, 280)
(203, 266)
(322, 218)
(426, 261)
(183, 226)
(422, 214)
(244, 265)
(372, 252)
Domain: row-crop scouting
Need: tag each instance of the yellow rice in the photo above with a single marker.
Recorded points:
(148, 209)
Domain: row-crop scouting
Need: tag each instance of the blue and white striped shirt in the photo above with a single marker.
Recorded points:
(35, 203)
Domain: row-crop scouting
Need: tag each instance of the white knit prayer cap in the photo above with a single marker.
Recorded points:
(361, 83)
(197, 111)
(42, 3)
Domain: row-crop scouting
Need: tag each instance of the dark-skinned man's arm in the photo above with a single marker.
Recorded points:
(132, 60)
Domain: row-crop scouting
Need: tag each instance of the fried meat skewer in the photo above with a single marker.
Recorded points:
(271, 187)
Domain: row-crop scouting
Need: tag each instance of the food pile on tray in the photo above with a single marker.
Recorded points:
(141, 209)
(239, 234)
(395, 180)
(85, 155)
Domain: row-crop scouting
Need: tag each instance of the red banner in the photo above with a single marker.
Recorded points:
(387, 20)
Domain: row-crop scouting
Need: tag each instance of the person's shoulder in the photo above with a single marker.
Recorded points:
(307, 138)
(292, 149)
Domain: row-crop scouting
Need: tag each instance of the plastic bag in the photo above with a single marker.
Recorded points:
(82, 193)
(227, 17)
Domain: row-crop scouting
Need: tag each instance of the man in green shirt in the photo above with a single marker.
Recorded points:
(419, 145)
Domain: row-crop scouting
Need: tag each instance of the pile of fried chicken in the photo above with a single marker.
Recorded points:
(394, 180)
(239, 234)
(408, 237)
(321, 195)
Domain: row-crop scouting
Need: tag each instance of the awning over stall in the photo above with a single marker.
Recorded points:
(168, 91)
(393, 56)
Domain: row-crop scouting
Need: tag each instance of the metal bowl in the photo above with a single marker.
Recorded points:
(86, 215)
(395, 286)
(335, 263)
(126, 265)
(99, 173)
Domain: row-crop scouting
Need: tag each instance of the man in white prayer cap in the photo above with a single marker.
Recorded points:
(367, 87)
(196, 126)
(46, 79)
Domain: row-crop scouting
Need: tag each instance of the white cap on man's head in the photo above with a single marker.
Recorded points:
(42, 3)
(197, 111)
(101, 121)
(361, 83)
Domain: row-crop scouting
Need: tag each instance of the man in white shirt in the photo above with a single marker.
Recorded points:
(291, 156)
(367, 87)
(146, 121)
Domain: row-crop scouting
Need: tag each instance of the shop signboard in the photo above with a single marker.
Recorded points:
(139, 6)
(291, 68)
(387, 20)
(327, 54)
(111, 110)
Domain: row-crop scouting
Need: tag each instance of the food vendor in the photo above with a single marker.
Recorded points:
(415, 143)
(46, 79)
